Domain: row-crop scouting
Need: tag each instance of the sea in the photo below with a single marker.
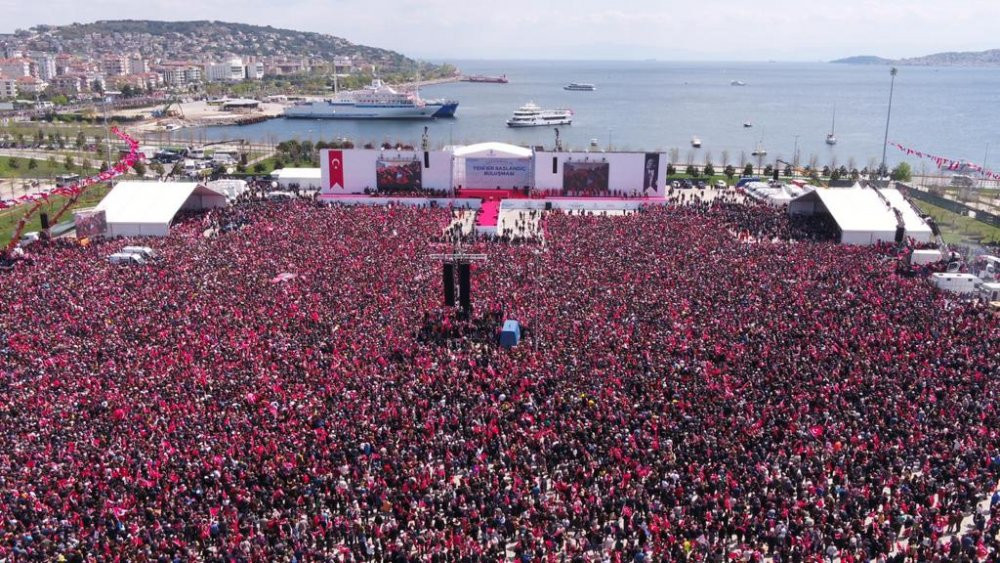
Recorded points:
(661, 106)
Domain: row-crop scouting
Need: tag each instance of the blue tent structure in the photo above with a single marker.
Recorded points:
(510, 334)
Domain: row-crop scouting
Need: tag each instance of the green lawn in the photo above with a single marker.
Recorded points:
(10, 217)
(957, 228)
(17, 167)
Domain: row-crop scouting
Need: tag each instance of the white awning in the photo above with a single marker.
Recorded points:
(492, 150)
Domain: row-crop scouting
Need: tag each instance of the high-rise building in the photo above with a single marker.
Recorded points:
(227, 71)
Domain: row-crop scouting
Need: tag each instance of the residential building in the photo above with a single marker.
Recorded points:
(30, 85)
(227, 71)
(8, 87)
(255, 70)
(138, 65)
(180, 74)
(69, 83)
(16, 67)
(115, 65)
(45, 65)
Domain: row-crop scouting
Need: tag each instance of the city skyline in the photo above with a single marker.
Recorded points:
(717, 30)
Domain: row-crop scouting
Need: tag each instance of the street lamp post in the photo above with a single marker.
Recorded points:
(795, 153)
(888, 114)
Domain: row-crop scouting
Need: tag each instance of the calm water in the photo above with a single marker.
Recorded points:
(661, 105)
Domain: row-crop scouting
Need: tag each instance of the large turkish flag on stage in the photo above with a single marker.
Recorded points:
(335, 160)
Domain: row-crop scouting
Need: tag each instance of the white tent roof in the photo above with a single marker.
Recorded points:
(862, 210)
(148, 202)
(311, 173)
(492, 149)
(914, 222)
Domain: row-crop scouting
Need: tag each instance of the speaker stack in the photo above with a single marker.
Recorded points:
(448, 274)
(465, 287)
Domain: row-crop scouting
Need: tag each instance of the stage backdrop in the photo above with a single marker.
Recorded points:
(586, 178)
(631, 173)
(353, 171)
(396, 175)
(503, 173)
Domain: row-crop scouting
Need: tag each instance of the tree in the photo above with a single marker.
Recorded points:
(139, 168)
(241, 168)
(729, 171)
(103, 167)
(768, 170)
(902, 172)
(709, 169)
(788, 171)
(855, 174)
(692, 170)
(157, 168)
(13, 163)
(835, 174)
(81, 140)
(85, 164)
(259, 168)
(68, 163)
(32, 164)
(748, 170)
(671, 170)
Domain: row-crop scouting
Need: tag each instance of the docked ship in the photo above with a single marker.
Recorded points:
(446, 108)
(377, 101)
(530, 115)
(580, 87)
(502, 79)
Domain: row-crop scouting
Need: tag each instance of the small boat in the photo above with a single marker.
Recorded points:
(580, 87)
(747, 124)
(737, 83)
(831, 138)
(696, 142)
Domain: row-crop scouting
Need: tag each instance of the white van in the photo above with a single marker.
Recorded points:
(143, 251)
(126, 258)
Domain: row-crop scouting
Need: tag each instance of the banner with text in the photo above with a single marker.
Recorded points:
(503, 173)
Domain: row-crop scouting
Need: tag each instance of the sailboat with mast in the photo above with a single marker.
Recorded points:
(831, 138)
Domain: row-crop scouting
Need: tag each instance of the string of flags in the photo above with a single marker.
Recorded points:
(948, 163)
(118, 169)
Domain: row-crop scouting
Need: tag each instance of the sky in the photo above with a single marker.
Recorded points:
(692, 30)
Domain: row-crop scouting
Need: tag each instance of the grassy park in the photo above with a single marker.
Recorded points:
(956, 228)
(10, 217)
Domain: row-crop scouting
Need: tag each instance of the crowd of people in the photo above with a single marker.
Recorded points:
(294, 390)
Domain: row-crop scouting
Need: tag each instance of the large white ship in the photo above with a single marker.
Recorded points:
(530, 115)
(377, 101)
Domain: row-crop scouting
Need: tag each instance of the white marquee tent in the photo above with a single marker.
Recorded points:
(148, 208)
(864, 215)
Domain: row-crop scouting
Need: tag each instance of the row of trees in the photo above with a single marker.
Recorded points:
(902, 172)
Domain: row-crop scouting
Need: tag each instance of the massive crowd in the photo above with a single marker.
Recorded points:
(292, 390)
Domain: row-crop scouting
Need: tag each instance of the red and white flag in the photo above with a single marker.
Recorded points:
(335, 162)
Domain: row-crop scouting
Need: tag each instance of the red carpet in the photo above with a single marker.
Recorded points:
(488, 214)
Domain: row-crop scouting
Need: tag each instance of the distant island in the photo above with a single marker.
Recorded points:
(968, 58)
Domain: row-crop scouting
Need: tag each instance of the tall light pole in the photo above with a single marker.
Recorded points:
(885, 140)
(795, 153)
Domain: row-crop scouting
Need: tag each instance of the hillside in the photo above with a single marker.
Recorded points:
(964, 58)
(202, 39)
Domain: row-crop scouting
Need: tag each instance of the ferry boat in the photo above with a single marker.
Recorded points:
(737, 83)
(502, 79)
(530, 115)
(580, 87)
(747, 124)
(696, 142)
(377, 101)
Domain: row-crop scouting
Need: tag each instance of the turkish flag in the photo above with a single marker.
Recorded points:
(335, 160)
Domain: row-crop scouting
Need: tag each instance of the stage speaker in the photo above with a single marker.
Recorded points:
(427, 159)
(555, 165)
(448, 276)
(775, 173)
(548, 206)
(465, 287)
(900, 232)
(45, 221)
